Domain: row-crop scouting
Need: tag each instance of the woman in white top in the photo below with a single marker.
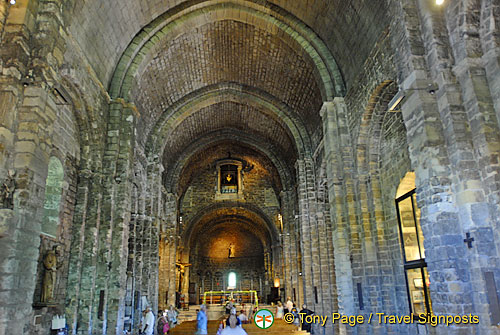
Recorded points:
(232, 329)
(279, 310)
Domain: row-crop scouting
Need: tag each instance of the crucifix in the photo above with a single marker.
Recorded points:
(468, 240)
(181, 267)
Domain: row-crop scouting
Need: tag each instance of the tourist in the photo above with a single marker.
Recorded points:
(296, 317)
(148, 322)
(305, 312)
(172, 314)
(232, 328)
(162, 327)
(279, 310)
(233, 312)
(289, 305)
(229, 306)
(202, 321)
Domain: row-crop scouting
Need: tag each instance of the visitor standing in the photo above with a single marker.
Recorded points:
(305, 312)
(172, 314)
(243, 317)
(279, 310)
(232, 328)
(289, 305)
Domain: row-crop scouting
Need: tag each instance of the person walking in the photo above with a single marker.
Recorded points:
(148, 323)
(162, 327)
(202, 320)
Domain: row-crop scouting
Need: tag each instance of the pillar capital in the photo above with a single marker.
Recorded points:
(331, 106)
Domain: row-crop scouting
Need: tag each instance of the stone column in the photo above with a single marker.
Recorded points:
(289, 261)
(99, 276)
(307, 217)
(338, 164)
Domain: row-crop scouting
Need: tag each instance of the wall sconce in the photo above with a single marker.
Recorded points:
(276, 282)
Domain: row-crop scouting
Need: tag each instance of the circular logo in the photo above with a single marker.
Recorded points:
(264, 319)
(288, 318)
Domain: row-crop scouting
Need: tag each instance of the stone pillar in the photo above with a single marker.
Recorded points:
(307, 217)
(99, 259)
(467, 153)
(290, 272)
(338, 164)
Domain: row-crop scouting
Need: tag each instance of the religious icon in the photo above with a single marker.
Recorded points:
(229, 178)
(50, 275)
(7, 191)
(230, 251)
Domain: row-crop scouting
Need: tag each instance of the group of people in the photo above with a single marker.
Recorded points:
(290, 307)
(166, 320)
(232, 326)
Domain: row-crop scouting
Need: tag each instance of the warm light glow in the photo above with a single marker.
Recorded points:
(12, 2)
(277, 282)
(439, 2)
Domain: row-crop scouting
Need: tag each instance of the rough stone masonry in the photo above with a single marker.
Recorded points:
(115, 117)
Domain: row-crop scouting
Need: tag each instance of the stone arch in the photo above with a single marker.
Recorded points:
(173, 174)
(194, 101)
(271, 228)
(376, 225)
(186, 16)
(371, 124)
(53, 194)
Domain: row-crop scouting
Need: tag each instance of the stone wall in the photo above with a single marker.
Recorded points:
(120, 230)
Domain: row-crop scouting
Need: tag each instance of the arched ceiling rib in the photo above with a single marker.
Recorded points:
(227, 115)
(227, 51)
(249, 217)
(111, 25)
(204, 156)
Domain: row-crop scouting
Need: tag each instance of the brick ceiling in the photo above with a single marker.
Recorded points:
(349, 28)
(234, 47)
(228, 51)
(222, 116)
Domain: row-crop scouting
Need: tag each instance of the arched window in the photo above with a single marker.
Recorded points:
(412, 245)
(231, 281)
(53, 192)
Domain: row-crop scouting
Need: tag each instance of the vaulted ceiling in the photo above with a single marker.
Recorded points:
(203, 71)
(349, 28)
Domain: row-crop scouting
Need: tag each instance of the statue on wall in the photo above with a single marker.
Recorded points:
(50, 276)
(230, 251)
(7, 191)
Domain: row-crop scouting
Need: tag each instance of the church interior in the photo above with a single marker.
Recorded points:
(343, 153)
